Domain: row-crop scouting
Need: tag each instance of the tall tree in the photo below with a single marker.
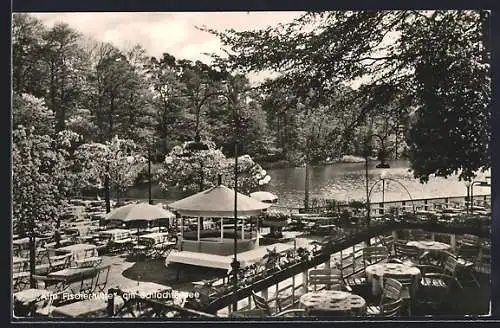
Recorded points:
(41, 183)
(164, 78)
(452, 86)
(28, 71)
(439, 56)
(65, 63)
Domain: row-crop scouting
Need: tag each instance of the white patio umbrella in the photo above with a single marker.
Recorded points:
(139, 212)
(264, 196)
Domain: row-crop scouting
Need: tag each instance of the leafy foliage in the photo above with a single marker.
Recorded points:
(434, 62)
(114, 160)
(41, 180)
(195, 170)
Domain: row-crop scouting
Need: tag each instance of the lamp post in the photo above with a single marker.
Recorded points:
(235, 265)
(232, 98)
(383, 164)
(481, 184)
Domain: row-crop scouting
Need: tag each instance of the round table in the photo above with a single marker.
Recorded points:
(332, 303)
(429, 245)
(27, 301)
(375, 274)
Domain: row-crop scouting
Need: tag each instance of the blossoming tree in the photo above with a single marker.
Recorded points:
(196, 170)
(113, 165)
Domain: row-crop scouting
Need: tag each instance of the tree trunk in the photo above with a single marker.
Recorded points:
(32, 246)
(306, 194)
(106, 194)
(201, 186)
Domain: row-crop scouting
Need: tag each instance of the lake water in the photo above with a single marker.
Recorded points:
(345, 182)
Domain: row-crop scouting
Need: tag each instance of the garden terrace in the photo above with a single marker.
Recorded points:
(380, 233)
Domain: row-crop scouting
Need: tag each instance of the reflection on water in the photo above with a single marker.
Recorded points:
(345, 181)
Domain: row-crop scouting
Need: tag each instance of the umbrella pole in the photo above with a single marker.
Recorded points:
(257, 228)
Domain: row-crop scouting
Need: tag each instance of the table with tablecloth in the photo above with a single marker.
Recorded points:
(97, 307)
(375, 274)
(326, 303)
(27, 301)
(434, 249)
(429, 245)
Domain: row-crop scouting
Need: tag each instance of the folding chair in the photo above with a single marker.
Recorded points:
(264, 310)
(459, 268)
(409, 285)
(102, 278)
(405, 252)
(434, 286)
(374, 254)
(327, 278)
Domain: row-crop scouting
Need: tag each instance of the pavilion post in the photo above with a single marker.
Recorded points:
(221, 230)
(242, 228)
(199, 228)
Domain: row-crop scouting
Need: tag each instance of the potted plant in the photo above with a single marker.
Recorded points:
(303, 254)
(272, 259)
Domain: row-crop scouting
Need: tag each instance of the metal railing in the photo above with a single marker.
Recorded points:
(285, 294)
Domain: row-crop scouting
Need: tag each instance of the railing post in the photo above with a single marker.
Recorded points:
(305, 279)
(293, 290)
(276, 298)
(453, 241)
(394, 240)
(327, 263)
(264, 293)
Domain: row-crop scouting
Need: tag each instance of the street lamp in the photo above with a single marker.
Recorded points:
(394, 180)
(481, 184)
(383, 164)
